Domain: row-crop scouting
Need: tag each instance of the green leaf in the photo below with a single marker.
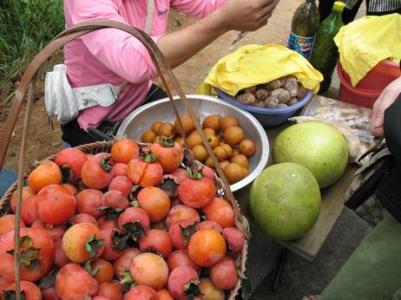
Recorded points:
(127, 281)
(170, 187)
(66, 173)
(134, 230)
(119, 240)
(105, 164)
(89, 268)
(187, 232)
(92, 245)
(11, 295)
(192, 290)
(111, 213)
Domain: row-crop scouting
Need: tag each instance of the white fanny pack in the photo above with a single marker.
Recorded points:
(64, 102)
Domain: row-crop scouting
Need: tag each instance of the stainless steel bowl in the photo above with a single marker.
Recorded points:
(142, 118)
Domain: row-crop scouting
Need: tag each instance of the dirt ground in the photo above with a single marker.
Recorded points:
(44, 139)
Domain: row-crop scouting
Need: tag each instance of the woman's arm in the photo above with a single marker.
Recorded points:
(239, 15)
(127, 57)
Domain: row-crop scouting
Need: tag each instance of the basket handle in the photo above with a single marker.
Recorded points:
(160, 63)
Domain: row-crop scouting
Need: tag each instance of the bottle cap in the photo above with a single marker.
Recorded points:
(338, 6)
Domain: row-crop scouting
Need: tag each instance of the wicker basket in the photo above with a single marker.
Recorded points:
(163, 69)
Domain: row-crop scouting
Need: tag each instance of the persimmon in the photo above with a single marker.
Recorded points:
(29, 290)
(73, 190)
(45, 174)
(83, 218)
(111, 290)
(73, 282)
(210, 291)
(145, 171)
(60, 259)
(134, 221)
(220, 211)
(26, 193)
(155, 202)
(55, 204)
(235, 239)
(156, 240)
(124, 150)
(122, 184)
(70, 161)
(183, 283)
(96, 171)
(29, 211)
(36, 253)
(100, 269)
(119, 169)
(141, 292)
(169, 154)
(89, 201)
(164, 294)
(206, 247)
(56, 232)
(208, 172)
(49, 293)
(7, 223)
(196, 193)
(115, 199)
(82, 242)
(179, 175)
(180, 258)
(149, 269)
(113, 245)
(224, 274)
(180, 213)
(209, 225)
(121, 265)
(180, 233)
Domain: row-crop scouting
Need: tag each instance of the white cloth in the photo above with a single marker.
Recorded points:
(64, 102)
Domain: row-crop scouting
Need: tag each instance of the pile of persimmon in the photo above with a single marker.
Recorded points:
(225, 136)
(129, 224)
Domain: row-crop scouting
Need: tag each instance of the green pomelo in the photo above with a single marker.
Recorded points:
(285, 201)
(318, 146)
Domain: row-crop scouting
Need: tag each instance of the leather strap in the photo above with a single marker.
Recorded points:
(158, 59)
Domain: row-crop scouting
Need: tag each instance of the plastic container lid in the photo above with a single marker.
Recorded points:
(338, 6)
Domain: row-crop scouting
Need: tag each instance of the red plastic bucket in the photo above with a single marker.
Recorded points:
(369, 88)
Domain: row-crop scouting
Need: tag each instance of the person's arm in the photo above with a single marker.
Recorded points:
(233, 15)
(386, 98)
(127, 57)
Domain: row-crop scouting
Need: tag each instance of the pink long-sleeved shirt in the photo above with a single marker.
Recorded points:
(113, 56)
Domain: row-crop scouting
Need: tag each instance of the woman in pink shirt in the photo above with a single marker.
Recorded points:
(113, 57)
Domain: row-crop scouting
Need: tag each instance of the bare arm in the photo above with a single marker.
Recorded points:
(247, 15)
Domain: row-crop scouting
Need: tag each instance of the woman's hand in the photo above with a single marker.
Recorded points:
(386, 98)
(246, 15)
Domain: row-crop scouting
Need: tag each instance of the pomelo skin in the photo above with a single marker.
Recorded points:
(318, 146)
(285, 201)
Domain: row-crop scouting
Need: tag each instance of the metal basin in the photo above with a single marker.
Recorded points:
(142, 118)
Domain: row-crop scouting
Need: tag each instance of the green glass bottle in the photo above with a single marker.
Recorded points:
(305, 24)
(325, 52)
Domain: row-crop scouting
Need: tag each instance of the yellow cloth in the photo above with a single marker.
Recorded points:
(257, 64)
(365, 42)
